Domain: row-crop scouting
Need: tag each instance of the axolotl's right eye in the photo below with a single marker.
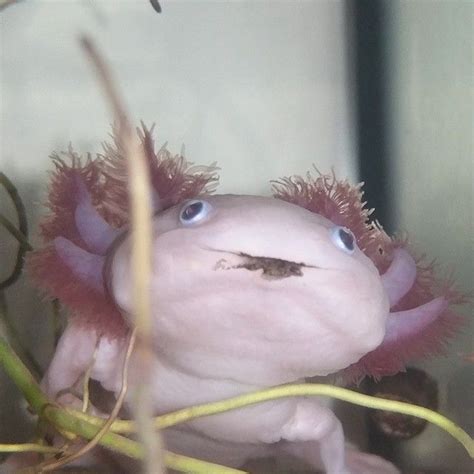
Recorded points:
(343, 238)
(194, 212)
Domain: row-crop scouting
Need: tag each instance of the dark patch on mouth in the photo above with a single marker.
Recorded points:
(273, 268)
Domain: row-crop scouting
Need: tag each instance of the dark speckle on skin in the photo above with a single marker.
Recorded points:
(273, 268)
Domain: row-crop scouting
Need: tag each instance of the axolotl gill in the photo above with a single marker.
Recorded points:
(247, 292)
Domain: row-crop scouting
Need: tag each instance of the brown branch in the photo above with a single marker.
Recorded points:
(110, 90)
(141, 231)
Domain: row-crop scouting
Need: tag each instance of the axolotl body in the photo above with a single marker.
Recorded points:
(247, 292)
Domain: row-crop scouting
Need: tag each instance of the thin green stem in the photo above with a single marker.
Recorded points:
(23, 247)
(299, 390)
(21, 376)
(191, 465)
(14, 337)
(63, 419)
(322, 390)
(17, 202)
(21, 234)
(28, 447)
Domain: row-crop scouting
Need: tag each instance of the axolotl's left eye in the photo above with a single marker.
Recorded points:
(343, 238)
(194, 212)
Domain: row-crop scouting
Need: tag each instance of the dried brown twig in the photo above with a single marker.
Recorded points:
(141, 217)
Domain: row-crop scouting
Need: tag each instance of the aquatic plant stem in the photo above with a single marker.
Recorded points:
(64, 419)
(22, 378)
(322, 390)
(12, 334)
(87, 425)
(20, 233)
(112, 417)
(10, 227)
(300, 390)
(29, 447)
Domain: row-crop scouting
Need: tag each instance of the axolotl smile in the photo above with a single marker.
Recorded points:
(272, 268)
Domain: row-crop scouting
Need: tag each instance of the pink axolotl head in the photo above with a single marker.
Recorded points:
(257, 279)
(300, 284)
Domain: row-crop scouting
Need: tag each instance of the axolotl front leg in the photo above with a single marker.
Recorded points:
(316, 436)
(80, 349)
(304, 428)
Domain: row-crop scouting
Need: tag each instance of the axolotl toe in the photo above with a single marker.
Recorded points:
(247, 292)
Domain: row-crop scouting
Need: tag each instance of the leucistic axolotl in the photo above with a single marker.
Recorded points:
(247, 292)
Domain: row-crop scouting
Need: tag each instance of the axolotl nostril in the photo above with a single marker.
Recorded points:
(247, 292)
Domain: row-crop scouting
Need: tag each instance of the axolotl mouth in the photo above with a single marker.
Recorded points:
(272, 268)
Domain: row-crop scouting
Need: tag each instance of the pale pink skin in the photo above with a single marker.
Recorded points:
(220, 331)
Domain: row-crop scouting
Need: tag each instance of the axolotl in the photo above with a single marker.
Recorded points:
(247, 292)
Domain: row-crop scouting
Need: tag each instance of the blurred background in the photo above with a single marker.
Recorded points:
(381, 91)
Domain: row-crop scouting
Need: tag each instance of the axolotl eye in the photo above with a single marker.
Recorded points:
(343, 238)
(194, 212)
